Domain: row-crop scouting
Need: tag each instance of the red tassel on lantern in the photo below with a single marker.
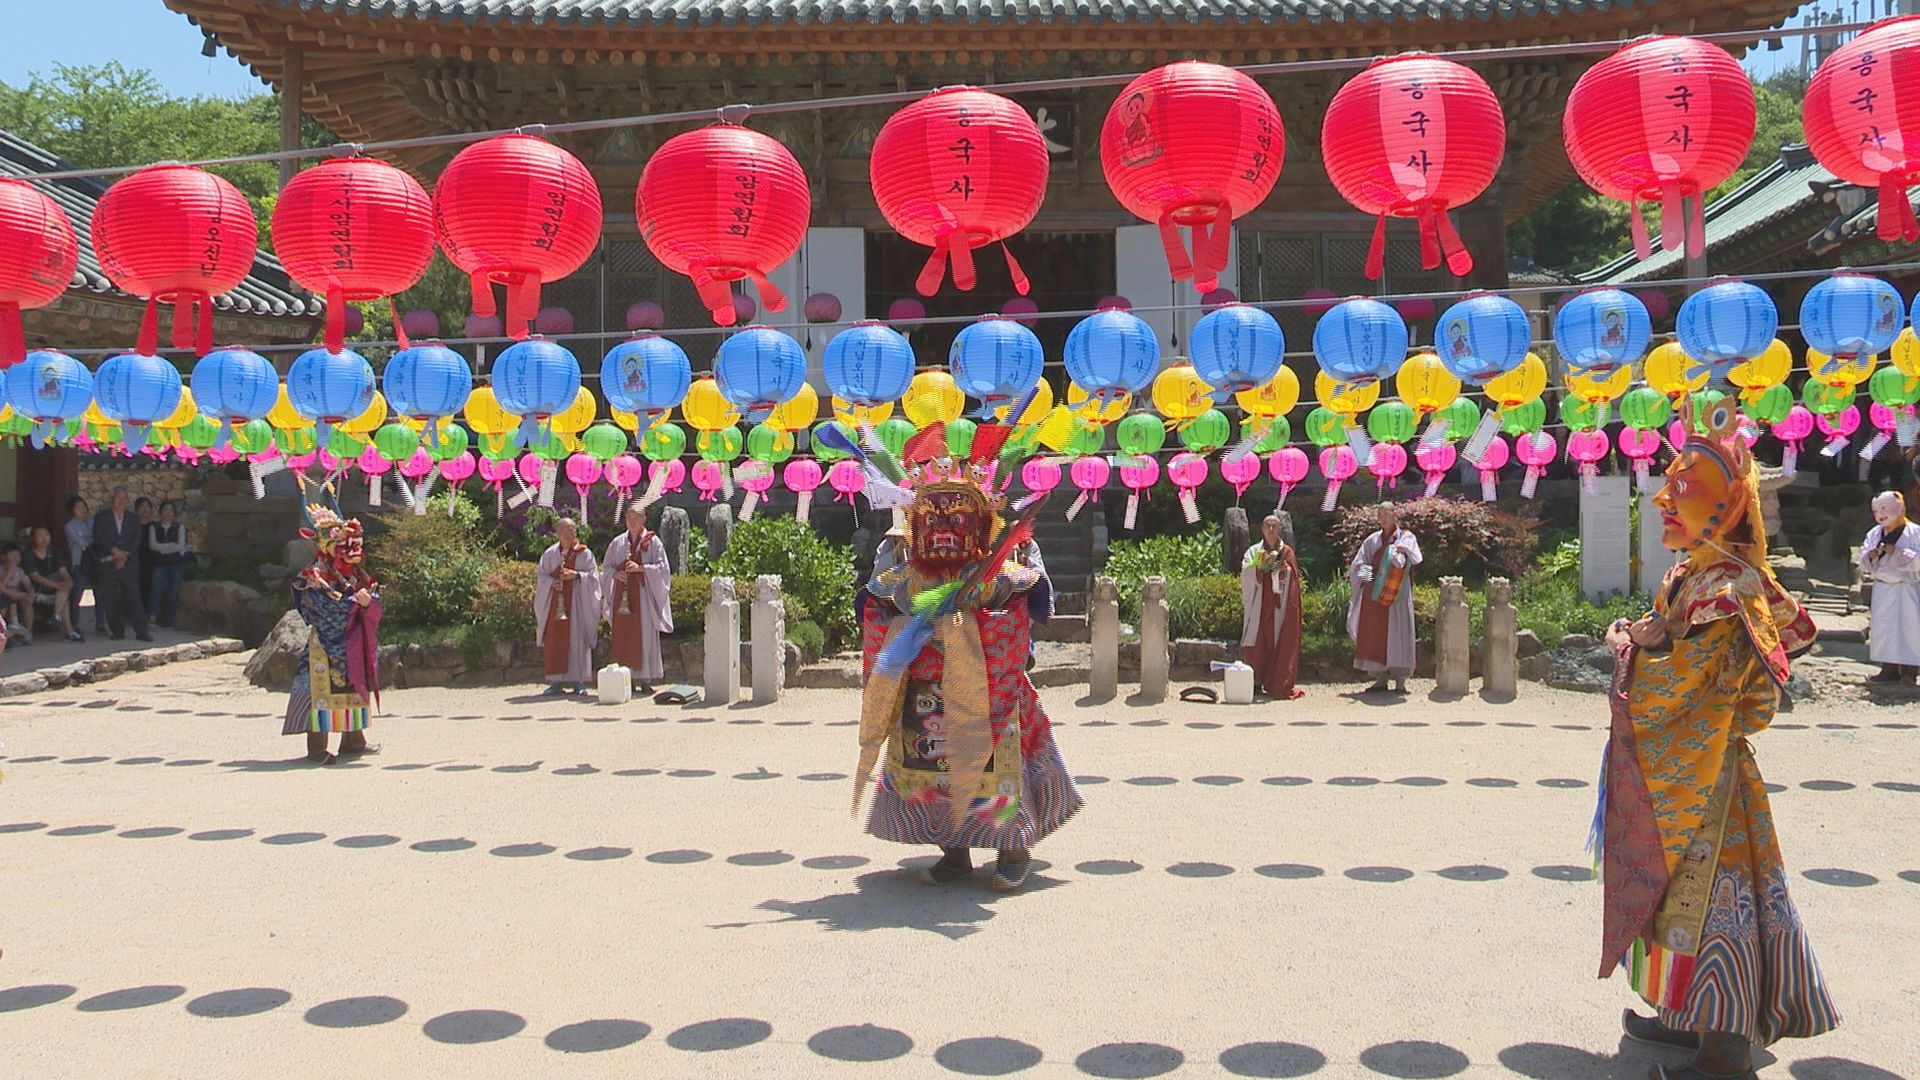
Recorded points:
(1414, 136)
(721, 204)
(518, 211)
(1862, 119)
(1193, 145)
(958, 170)
(1662, 119)
(38, 253)
(353, 229)
(175, 234)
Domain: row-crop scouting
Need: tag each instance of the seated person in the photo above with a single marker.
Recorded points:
(16, 595)
(52, 582)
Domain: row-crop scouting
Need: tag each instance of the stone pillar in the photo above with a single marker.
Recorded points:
(1500, 642)
(769, 622)
(1155, 656)
(1286, 534)
(1235, 539)
(674, 527)
(1103, 618)
(1606, 540)
(719, 530)
(1771, 481)
(1451, 639)
(723, 645)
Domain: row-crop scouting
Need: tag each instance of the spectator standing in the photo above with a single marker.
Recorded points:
(142, 555)
(116, 539)
(83, 562)
(167, 549)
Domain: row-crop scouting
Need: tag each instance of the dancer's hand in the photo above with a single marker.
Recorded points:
(363, 598)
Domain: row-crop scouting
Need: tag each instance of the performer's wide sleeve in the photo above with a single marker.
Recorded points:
(1249, 603)
(589, 585)
(1409, 545)
(1688, 704)
(616, 554)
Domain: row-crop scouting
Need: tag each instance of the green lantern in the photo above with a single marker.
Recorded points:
(1891, 388)
(720, 446)
(453, 442)
(1277, 435)
(1703, 403)
(15, 424)
(1140, 434)
(1824, 400)
(769, 444)
(344, 444)
(1581, 415)
(1524, 419)
(825, 454)
(960, 437)
(1772, 405)
(200, 433)
(603, 442)
(1326, 427)
(664, 442)
(1207, 432)
(549, 446)
(1645, 408)
(1089, 439)
(894, 434)
(396, 442)
(1462, 417)
(1391, 422)
(295, 441)
(497, 447)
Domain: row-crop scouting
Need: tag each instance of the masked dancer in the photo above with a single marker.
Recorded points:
(339, 675)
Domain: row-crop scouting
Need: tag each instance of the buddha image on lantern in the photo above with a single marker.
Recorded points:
(633, 378)
(1137, 142)
(1457, 340)
(1613, 328)
(50, 382)
(1889, 320)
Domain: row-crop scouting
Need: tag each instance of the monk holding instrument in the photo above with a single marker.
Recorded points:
(566, 610)
(633, 592)
(1380, 615)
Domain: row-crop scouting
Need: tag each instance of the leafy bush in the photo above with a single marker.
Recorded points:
(429, 566)
(502, 610)
(1457, 538)
(1207, 608)
(687, 596)
(526, 531)
(1174, 557)
(1550, 603)
(1323, 620)
(808, 635)
(816, 577)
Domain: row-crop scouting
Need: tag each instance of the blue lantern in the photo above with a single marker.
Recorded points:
(1851, 315)
(135, 391)
(329, 388)
(995, 360)
(48, 388)
(1237, 347)
(533, 379)
(1727, 324)
(1112, 352)
(427, 382)
(646, 376)
(1601, 331)
(1482, 338)
(758, 368)
(868, 363)
(234, 384)
(1360, 342)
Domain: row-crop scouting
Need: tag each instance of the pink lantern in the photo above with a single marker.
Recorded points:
(1386, 463)
(1792, 430)
(553, 321)
(666, 476)
(646, 315)
(623, 473)
(744, 309)
(485, 326)
(223, 455)
(846, 478)
(1435, 463)
(1115, 302)
(757, 478)
(1188, 471)
(1838, 428)
(417, 465)
(1321, 301)
(420, 324)
(496, 474)
(1218, 298)
(1337, 464)
(1640, 445)
(821, 307)
(1886, 423)
(302, 462)
(1139, 475)
(1491, 461)
(457, 469)
(1536, 451)
(1659, 305)
(1241, 472)
(802, 476)
(1089, 474)
(1020, 309)
(1589, 448)
(906, 313)
(708, 480)
(1416, 309)
(328, 463)
(1040, 476)
(1288, 466)
(583, 471)
(375, 465)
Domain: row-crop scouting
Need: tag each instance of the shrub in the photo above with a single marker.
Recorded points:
(1323, 620)
(1174, 557)
(429, 566)
(687, 596)
(525, 531)
(808, 635)
(1208, 607)
(816, 577)
(1550, 603)
(1468, 539)
(502, 609)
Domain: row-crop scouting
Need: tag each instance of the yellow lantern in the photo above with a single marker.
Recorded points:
(485, 415)
(1179, 394)
(6, 413)
(1089, 409)
(1037, 410)
(1349, 399)
(706, 409)
(629, 422)
(369, 421)
(1841, 373)
(933, 398)
(1906, 353)
(496, 443)
(798, 412)
(1276, 398)
(1763, 372)
(1672, 372)
(93, 415)
(182, 414)
(1423, 382)
(1597, 390)
(863, 416)
(1059, 428)
(1520, 386)
(576, 417)
(283, 416)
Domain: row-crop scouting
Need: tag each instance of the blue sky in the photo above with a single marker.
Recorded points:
(138, 33)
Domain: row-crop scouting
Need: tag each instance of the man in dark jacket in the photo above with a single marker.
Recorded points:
(116, 540)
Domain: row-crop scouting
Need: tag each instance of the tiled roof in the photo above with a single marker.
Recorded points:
(266, 291)
(631, 13)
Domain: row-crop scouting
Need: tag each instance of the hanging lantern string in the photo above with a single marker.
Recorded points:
(735, 114)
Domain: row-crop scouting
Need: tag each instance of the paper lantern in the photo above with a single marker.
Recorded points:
(1659, 305)
(1288, 467)
(1762, 372)
(995, 360)
(235, 386)
(420, 323)
(1665, 118)
(664, 442)
(868, 363)
(958, 170)
(724, 204)
(427, 382)
(396, 442)
(1039, 476)
(353, 229)
(328, 388)
(1724, 324)
(553, 321)
(796, 413)
(1581, 415)
(517, 211)
(1021, 309)
(648, 375)
(1672, 372)
(1523, 419)
(1115, 302)
(1112, 352)
(1180, 394)
(1645, 409)
(177, 235)
(821, 307)
(646, 315)
(535, 378)
(906, 312)
(485, 326)
(1519, 386)
(369, 419)
(846, 479)
(758, 368)
(1416, 309)
(769, 445)
(1414, 136)
(1386, 462)
(136, 391)
(706, 408)
(1841, 372)
(1347, 399)
(48, 388)
(1392, 422)
(1360, 341)
(1425, 383)
(1861, 115)
(1140, 434)
(826, 453)
(894, 435)
(1275, 399)
(1435, 463)
(1892, 389)
(1207, 432)
(1850, 315)
(1602, 329)
(38, 255)
(802, 476)
(1482, 337)
(1193, 145)
(1237, 347)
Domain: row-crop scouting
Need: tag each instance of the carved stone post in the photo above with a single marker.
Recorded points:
(1235, 538)
(674, 527)
(1451, 638)
(723, 645)
(769, 622)
(719, 530)
(1154, 653)
(1103, 619)
(1501, 647)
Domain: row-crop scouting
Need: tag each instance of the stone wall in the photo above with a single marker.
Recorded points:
(159, 483)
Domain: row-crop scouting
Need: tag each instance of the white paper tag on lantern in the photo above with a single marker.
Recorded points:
(1834, 447)
(805, 504)
(726, 482)
(1332, 498)
(1190, 505)
(1906, 429)
(1866, 468)
(1080, 503)
(1790, 462)
(526, 496)
(1476, 447)
(1587, 482)
(1133, 510)
(374, 483)
(1641, 474)
(406, 494)
(257, 477)
(1872, 449)
(549, 479)
(1361, 445)
(1436, 431)
(1531, 483)
(1433, 484)
(748, 504)
(1489, 486)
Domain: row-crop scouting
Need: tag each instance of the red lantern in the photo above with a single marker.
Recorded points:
(721, 204)
(1862, 118)
(1414, 136)
(38, 253)
(518, 211)
(1193, 145)
(353, 229)
(958, 170)
(175, 234)
(1662, 119)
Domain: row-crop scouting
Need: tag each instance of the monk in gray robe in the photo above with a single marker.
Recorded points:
(634, 580)
(566, 610)
(1380, 615)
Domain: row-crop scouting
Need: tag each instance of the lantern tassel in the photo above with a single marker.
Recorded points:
(928, 282)
(399, 328)
(1673, 222)
(149, 341)
(960, 253)
(336, 333)
(183, 322)
(1212, 246)
(523, 305)
(1178, 264)
(771, 297)
(1895, 215)
(1459, 259)
(481, 283)
(1642, 242)
(716, 296)
(13, 336)
(1697, 226)
(1377, 250)
(1430, 249)
(1020, 283)
(1073, 510)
